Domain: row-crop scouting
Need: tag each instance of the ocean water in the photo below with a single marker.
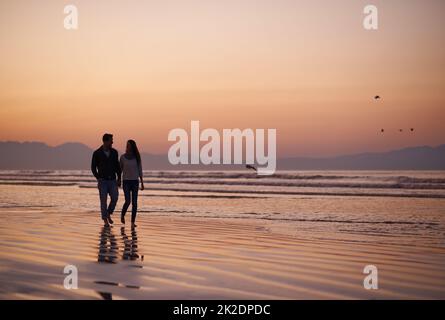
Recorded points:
(394, 207)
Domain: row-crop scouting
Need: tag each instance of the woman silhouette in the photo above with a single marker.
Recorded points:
(131, 167)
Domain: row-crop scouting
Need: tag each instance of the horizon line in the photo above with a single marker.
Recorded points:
(281, 157)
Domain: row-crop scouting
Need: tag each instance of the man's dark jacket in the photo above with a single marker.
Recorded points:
(104, 167)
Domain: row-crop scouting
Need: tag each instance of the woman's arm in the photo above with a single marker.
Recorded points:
(141, 176)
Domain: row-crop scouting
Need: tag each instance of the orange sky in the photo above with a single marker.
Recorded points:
(307, 68)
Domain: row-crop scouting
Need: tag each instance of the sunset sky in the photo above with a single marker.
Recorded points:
(307, 68)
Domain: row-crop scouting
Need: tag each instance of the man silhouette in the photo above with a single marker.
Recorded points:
(105, 167)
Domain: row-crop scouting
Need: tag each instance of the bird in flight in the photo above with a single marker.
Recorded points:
(377, 97)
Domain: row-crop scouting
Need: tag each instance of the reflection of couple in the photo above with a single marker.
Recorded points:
(107, 168)
(109, 249)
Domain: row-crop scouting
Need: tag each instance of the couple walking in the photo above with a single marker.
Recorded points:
(108, 169)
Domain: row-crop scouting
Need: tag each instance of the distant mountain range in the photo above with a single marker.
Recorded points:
(414, 158)
(37, 155)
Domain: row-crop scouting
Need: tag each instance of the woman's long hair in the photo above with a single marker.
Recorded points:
(135, 150)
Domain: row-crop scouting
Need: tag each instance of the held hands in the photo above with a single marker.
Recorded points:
(119, 183)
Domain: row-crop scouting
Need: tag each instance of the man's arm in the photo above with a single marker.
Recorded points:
(117, 166)
(121, 164)
(94, 166)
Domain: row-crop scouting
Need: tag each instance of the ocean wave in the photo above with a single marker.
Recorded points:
(261, 183)
(302, 193)
(38, 183)
(360, 185)
(276, 217)
(173, 175)
(204, 196)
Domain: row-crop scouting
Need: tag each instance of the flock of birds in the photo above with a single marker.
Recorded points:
(383, 130)
(400, 130)
(377, 97)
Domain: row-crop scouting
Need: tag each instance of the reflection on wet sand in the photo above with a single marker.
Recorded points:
(108, 248)
(193, 258)
(130, 245)
(109, 253)
(106, 295)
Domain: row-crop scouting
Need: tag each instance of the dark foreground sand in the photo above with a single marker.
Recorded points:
(185, 258)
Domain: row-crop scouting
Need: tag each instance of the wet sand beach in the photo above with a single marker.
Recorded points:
(226, 235)
(183, 258)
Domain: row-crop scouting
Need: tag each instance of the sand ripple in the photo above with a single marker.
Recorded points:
(190, 258)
